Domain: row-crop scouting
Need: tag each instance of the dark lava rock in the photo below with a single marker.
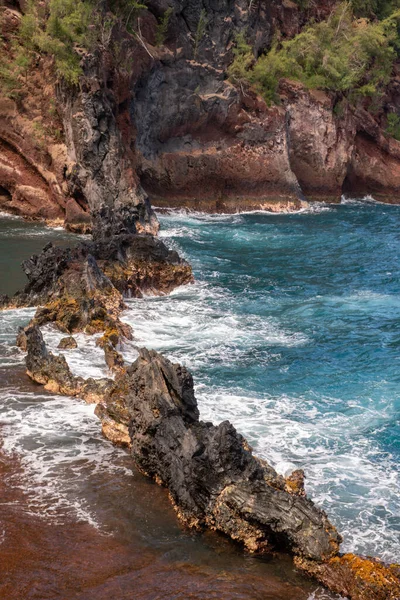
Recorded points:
(132, 263)
(212, 477)
(67, 343)
(210, 471)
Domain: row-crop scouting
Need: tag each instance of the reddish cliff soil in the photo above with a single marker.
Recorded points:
(164, 123)
(33, 155)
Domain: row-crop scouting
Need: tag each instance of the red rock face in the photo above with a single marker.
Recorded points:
(248, 169)
(374, 170)
(164, 123)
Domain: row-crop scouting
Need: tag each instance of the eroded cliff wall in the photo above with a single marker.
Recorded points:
(155, 117)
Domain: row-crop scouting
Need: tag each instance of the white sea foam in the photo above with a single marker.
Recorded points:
(321, 594)
(57, 441)
(187, 327)
(346, 473)
(10, 216)
(363, 201)
(191, 216)
(352, 479)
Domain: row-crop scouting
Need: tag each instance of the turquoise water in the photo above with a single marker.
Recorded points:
(20, 239)
(292, 331)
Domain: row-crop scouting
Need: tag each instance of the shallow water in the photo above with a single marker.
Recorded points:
(292, 332)
(20, 239)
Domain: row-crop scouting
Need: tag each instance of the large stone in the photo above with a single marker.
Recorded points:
(210, 472)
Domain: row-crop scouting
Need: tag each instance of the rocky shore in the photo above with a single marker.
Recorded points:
(213, 479)
(162, 122)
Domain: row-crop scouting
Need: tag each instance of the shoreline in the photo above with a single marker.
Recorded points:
(68, 385)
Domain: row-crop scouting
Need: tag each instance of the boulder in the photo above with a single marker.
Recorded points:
(67, 343)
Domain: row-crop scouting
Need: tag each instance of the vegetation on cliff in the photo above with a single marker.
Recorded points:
(61, 29)
(349, 56)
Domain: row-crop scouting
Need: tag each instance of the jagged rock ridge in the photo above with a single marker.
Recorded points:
(212, 477)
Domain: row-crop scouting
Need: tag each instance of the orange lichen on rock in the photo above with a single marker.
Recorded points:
(356, 577)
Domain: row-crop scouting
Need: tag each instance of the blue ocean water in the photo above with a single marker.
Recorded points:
(292, 332)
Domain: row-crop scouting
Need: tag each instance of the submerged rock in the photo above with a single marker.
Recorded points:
(67, 343)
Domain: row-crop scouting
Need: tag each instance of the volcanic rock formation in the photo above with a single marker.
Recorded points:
(162, 122)
(210, 472)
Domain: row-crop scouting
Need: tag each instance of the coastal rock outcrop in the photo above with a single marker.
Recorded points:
(210, 472)
(63, 156)
(129, 265)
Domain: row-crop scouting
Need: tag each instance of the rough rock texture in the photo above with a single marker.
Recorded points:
(212, 477)
(321, 145)
(102, 173)
(210, 472)
(355, 577)
(164, 123)
(54, 373)
(62, 154)
(68, 343)
(127, 264)
(33, 157)
(206, 144)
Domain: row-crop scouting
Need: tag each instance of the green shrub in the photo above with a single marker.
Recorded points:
(162, 27)
(352, 57)
(239, 71)
(374, 8)
(393, 126)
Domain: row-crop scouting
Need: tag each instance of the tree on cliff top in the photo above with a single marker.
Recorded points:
(353, 57)
(63, 28)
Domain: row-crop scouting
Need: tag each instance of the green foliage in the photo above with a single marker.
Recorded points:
(239, 71)
(351, 57)
(67, 27)
(127, 11)
(62, 29)
(162, 27)
(14, 69)
(374, 8)
(200, 31)
(393, 126)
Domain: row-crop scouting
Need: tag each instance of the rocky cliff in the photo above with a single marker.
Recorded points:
(154, 117)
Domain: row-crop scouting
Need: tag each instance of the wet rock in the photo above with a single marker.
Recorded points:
(114, 359)
(132, 264)
(82, 289)
(47, 369)
(54, 374)
(21, 340)
(210, 472)
(67, 343)
(355, 577)
(295, 483)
